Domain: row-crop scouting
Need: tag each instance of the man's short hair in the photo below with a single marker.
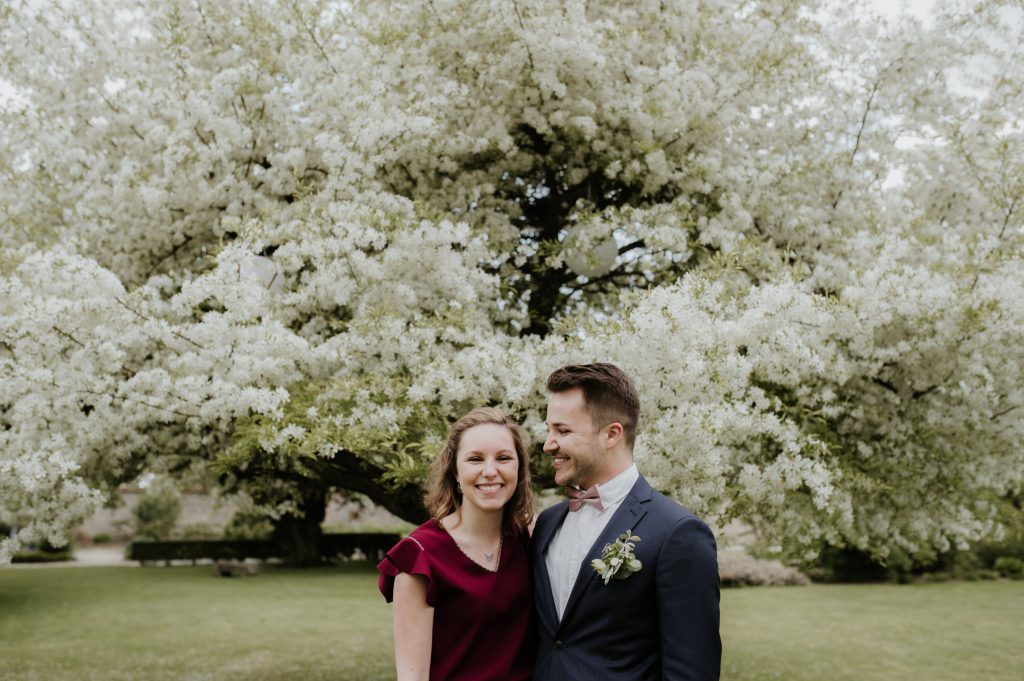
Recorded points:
(608, 392)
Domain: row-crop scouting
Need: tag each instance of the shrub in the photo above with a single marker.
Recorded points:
(936, 577)
(156, 513)
(736, 568)
(46, 547)
(835, 564)
(332, 546)
(1011, 567)
(1011, 517)
(199, 531)
(101, 538)
(199, 549)
(357, 546)
(41, 556)
(248, 524)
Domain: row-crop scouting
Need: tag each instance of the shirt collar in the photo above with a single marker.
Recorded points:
(615, 490)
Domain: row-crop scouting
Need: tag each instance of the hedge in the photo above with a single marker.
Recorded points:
(41, 557)
(371, 546)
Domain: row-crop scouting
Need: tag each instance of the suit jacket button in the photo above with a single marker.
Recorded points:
(559, 645)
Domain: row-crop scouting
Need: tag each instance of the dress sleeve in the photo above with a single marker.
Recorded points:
(409, 557)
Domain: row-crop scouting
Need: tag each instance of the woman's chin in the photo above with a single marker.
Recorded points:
(491, 503)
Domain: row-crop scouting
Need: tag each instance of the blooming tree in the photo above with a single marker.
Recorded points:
(283, 244)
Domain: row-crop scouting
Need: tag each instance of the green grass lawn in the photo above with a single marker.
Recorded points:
(158, 624)
(116, 624)
(956, 631)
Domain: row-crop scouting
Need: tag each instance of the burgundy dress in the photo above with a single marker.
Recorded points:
(483, 620)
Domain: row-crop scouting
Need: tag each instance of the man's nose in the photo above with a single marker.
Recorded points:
(549, 444)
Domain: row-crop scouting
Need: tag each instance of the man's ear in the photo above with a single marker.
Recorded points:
(615, 434)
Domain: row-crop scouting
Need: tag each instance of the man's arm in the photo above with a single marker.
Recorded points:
(686, 580)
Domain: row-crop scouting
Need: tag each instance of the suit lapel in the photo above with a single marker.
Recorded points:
(545, 532)
(626, 517)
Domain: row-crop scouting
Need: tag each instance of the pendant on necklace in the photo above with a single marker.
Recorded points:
(488, 557)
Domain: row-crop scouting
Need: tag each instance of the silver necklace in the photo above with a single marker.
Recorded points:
(488, 557)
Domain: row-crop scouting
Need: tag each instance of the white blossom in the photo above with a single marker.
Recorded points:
(333, 227)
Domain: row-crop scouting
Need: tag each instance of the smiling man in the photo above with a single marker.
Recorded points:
(626, 580)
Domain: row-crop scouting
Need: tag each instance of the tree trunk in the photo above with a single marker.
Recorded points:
(298, 536)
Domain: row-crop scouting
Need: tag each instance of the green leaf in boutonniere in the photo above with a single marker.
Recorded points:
(618, 559)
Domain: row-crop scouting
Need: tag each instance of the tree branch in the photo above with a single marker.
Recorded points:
(148, 319)
(173, 252)
(886, 384)
(312, 36)
(864, 118)
(529, 53)
(639, 243)
(69, 336)
(1003, 412)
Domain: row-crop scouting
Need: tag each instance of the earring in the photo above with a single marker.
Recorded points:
(458, 487)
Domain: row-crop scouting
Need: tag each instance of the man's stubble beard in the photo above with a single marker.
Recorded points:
(582, 470)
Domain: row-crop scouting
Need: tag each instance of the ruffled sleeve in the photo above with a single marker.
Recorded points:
(409, 557)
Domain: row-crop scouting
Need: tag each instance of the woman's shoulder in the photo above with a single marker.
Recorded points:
(515, 530)
(411, 555)
(517, 535)
(428, 535)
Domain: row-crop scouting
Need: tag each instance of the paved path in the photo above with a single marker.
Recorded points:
(85, 556)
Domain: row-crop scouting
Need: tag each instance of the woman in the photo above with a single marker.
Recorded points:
(460, 582)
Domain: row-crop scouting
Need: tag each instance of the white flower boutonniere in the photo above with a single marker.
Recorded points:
(618, 559)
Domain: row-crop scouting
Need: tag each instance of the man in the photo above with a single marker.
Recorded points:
(656, 619)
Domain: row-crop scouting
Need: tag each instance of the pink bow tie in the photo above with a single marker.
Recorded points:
(579, 497)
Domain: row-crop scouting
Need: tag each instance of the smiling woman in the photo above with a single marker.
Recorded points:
(460, 582)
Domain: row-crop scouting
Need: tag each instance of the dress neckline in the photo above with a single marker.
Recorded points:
(501, 549)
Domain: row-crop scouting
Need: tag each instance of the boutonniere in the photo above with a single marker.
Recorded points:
(618, 559)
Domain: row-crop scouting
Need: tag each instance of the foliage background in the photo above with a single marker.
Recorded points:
(277, 247)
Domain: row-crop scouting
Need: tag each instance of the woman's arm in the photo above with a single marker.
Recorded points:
(414, 627)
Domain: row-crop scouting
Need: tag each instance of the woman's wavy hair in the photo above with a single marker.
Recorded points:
(441, 497)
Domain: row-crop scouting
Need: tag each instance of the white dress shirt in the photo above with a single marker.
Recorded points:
(573, 540)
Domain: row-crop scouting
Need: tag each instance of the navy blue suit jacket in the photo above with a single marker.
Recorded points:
(658, 624)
